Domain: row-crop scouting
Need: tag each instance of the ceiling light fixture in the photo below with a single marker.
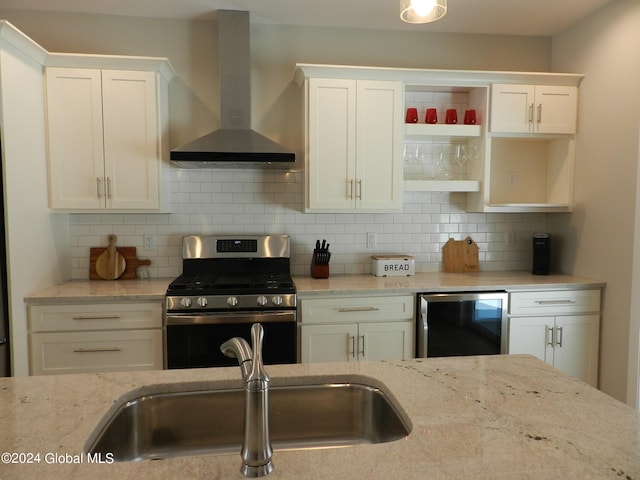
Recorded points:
(422, 11)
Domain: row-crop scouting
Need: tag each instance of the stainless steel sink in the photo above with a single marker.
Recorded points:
(201, 422)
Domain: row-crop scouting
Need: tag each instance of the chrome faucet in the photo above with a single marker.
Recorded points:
(256, 449)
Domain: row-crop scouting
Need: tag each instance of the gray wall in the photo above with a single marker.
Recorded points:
(600, 238)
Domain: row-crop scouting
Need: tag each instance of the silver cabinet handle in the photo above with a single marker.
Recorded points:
(539, 114)
(531, 113)
(361, 352)
(549, 333)
(350, 188)
(99, 187)
(357, 309)
(94, 350)
(351, 351)
(555, 302)
(359, 194)
(109, 187)
(559, 336)
(95, 317)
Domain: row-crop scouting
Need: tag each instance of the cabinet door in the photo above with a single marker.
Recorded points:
(556, 109)
(533, 336)
(328, 343)
(379, 172)
(385, 341)
(131, 139)
(512, 108)
(75, 140)
(576, 348)
(331, 144)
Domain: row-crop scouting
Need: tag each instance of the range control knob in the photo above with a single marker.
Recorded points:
(277, 300)
(185, 302)
(262, 300)
(232, 301)
(202, 301)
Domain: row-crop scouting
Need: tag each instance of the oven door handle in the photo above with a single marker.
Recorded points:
(229, 317)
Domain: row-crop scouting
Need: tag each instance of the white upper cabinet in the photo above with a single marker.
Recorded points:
(550, 109)
(107, 139)
(353, 145)
(520, 153)
(75, 139)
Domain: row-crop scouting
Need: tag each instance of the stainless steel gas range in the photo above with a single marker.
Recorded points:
(229, 283)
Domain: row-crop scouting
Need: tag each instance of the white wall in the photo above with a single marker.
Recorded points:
(36, 240)
(599, 237)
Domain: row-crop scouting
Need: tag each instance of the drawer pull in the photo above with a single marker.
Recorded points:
(358, 309)
(555, 302)
(94, 350)
(96, 317)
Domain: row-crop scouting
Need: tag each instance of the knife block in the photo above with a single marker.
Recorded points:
(319, 270)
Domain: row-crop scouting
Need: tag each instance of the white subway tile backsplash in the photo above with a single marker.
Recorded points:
(227, 201)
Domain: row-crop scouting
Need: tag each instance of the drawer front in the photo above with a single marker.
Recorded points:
(116, 316)
(87, 352)
(357, 309)
(557, 302)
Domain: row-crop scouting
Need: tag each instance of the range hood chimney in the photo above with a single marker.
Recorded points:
(234, 144)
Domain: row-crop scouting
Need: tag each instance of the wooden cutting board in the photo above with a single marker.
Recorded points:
(460, 256)
(130, 257)
(110, 264)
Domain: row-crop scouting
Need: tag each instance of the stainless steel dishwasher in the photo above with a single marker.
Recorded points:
(458, 324)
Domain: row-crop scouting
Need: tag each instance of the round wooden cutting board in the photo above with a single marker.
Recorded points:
(110, 264)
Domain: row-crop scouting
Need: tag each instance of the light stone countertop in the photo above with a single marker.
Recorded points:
(87, 291)
(483, 418)
(440, 282)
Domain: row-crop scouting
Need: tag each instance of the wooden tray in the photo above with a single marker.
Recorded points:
(130, 256)
(460, 256)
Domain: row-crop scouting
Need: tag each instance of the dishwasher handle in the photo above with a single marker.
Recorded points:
(422, 329)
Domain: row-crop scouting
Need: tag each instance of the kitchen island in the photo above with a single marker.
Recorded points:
(490, 417)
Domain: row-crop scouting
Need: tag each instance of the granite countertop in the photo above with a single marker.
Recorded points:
(440, 282)
(482, 418)
(84, 291)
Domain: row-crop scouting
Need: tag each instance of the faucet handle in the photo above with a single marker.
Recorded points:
(257, 373)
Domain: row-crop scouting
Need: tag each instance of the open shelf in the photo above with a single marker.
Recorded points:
(531, 173)
(416, 131)
(427, 185)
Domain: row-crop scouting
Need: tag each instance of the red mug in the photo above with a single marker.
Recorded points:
(432, 116)
(452, 116)
(412, 115)
(470, 117)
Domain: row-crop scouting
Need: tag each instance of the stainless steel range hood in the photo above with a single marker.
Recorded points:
(234, 144)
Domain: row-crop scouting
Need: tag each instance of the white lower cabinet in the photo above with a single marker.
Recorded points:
(95, 338)
(560, 327)
(339, 329)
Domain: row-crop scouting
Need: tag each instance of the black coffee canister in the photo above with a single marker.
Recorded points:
(541, 254)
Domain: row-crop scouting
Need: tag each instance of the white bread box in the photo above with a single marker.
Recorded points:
(393, 265)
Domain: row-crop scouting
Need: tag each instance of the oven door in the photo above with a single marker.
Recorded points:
(193, 340)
